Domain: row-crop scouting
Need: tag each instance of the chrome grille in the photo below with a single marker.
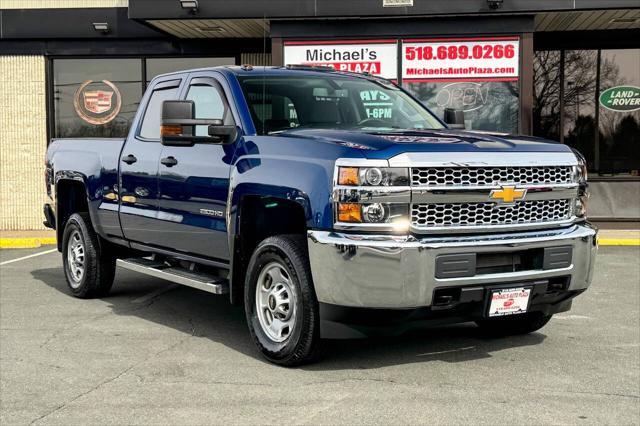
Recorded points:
(490, 176)
(445, 215)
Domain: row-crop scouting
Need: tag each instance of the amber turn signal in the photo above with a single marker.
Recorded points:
(349, 212)
(348, 176)
(171, 130)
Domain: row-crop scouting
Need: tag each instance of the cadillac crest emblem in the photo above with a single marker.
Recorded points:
(97, 102)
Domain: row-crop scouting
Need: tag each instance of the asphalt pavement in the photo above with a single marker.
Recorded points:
(157, 353)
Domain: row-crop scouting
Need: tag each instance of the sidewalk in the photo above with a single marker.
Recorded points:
(34, 239)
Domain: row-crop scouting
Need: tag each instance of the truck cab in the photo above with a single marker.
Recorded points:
(328, 204)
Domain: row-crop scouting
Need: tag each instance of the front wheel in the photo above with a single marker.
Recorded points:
(514, 324)
(280, 302)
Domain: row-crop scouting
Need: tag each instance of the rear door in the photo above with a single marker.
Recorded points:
(194, 180)
(139, 164)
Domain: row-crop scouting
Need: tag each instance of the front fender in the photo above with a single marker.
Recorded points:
(303, 181)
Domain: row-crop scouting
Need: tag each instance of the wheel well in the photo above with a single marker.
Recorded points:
(260, 218)
(71, 197)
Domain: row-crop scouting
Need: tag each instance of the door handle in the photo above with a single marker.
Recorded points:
(169, 161)
(129, 159)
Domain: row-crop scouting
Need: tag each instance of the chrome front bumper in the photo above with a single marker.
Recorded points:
(398, 272)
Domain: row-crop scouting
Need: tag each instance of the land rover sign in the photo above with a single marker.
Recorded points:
(621, 98)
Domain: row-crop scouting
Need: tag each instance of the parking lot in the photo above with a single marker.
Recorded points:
(154, 352)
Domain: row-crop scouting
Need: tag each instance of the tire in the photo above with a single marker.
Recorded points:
(279, 272)
(513, 325)
(88, 267)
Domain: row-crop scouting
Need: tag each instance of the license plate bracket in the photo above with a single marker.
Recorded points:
(505, 301)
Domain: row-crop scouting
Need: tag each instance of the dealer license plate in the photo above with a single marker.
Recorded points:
(509, 301)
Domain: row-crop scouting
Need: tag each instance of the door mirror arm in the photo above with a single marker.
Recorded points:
(225, 133)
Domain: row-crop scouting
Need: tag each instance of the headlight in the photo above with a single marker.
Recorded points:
(580, 171)
(374, 213)
(391, 214)
(373, 176)
(580, 177)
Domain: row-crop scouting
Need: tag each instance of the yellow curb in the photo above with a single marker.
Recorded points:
(619, 241)
(9, 243)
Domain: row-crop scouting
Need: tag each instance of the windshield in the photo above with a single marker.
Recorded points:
(332, 102)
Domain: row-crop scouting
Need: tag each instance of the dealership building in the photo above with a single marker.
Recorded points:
(566, 70)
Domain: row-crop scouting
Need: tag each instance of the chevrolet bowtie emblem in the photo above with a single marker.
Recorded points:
(507, 194)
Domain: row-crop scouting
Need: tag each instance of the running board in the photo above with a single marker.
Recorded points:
(201, 281)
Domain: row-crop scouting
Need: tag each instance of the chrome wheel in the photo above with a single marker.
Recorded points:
(276, 302)
(76, 258)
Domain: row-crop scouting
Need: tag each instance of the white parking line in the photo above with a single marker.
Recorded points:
(6, 262)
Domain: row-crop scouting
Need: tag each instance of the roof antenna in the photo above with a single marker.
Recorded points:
(264, 67)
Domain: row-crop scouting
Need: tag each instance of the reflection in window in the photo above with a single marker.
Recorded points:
(95, 97)
(209, 105)
(150, 128)
(580, 69)
(546, 94)
(619, 144)
(491, 106)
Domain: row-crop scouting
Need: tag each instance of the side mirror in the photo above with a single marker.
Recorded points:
(178, 126)
(454, 118)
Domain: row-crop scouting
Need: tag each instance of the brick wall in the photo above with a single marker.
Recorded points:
(23, 142)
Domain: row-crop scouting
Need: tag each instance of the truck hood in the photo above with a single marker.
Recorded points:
(380, 145)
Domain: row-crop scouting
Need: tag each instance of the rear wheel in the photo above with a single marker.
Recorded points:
(88, 267)
(514, 324)
(280, 303)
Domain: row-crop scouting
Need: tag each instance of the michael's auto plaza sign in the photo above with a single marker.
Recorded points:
(437, 59)
(377, 57)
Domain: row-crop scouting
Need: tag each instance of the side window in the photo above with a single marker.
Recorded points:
(210, 104)
(150, 128)
(274, 112)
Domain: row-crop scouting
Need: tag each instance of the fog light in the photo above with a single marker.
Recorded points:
(374, 213)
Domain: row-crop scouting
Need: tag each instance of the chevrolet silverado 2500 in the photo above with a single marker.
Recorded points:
(329, 204)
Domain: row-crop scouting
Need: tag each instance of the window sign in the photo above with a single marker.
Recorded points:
(97, 102)
(377, 104)
(377, 57)
(486, 59)
(621, 98)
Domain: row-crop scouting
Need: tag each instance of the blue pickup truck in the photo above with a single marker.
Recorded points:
(328, 204)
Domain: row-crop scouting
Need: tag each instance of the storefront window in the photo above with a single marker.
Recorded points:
(546, 94)
(580, 72)
(164, 65)
(491, 106)
(619, 113)
(590, 100)
(95, 97)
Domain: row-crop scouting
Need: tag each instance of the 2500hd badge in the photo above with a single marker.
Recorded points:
(274, 187)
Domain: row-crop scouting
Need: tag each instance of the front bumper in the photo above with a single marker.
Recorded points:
(399, 272)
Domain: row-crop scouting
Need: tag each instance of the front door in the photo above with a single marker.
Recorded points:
(194, 181)
(139, 162)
